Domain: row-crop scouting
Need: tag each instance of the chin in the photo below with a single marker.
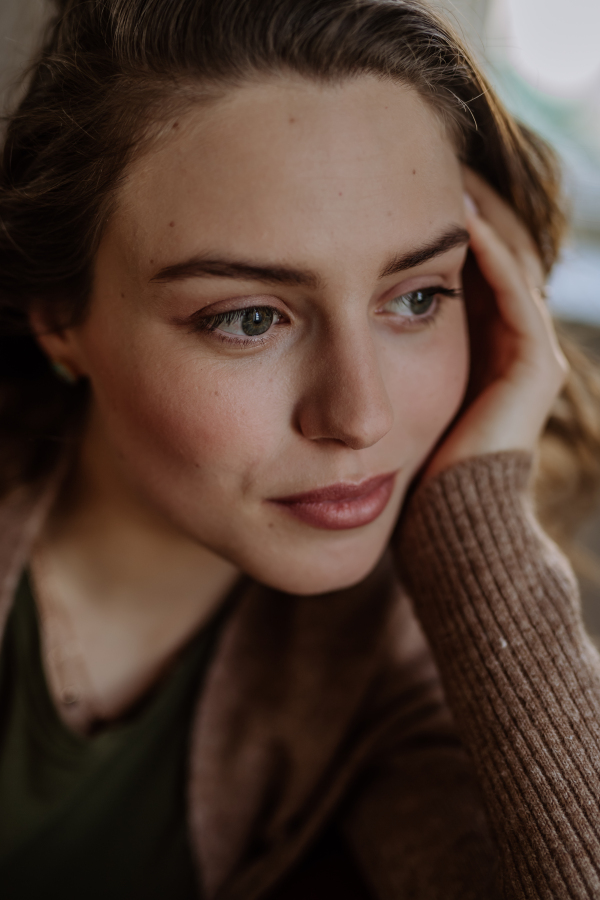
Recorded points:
(318, 574)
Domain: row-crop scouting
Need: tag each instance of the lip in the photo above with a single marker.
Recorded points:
(341, 506)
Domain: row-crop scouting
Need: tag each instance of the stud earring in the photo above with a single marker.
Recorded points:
(64, 372)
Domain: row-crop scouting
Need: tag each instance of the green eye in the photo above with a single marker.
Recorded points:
(249, 322)
(417, 303)
(256, 320)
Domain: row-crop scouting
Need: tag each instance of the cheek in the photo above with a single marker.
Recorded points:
(180, 414)
(428, 384)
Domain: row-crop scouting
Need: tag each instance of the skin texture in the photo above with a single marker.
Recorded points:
(191, 436)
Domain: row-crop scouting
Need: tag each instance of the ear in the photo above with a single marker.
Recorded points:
(60, 345)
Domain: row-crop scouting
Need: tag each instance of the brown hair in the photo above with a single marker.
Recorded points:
(111, 71)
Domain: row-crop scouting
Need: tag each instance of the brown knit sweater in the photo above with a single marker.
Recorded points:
(500, 607)
(331, 707)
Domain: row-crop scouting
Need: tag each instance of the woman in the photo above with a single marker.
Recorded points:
(252, 239)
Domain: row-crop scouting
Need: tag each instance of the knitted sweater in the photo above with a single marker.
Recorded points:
(501, 610)
(458, 749)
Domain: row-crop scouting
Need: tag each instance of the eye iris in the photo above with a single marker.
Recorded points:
(418, 302)
(257, 321)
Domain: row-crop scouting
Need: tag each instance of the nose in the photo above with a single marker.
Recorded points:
(346, 399)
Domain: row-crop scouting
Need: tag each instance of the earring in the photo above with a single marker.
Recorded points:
(64, 372)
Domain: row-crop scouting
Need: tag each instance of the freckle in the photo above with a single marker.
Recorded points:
(122, 296)
(414, 171)
(292, 120)
(151, 262)
(216, 393)
(171, 224)
(175, 124)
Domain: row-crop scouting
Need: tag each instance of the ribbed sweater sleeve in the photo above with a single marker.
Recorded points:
(499, 605)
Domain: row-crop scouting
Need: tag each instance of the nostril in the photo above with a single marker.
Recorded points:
(352, 422)
(346, 399)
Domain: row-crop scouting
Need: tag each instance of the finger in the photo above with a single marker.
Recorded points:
(508, 225)
(496, 210)
(522, 312)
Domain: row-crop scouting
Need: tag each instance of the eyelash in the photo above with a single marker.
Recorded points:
(429, 317)
(210, 324)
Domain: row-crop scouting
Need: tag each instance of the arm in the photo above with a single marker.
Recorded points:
(500, 609)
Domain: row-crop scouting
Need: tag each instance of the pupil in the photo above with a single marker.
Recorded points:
(257, 321)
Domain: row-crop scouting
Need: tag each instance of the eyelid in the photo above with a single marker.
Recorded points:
(232, 305)
(430, 289)
(235, 315)
(419, 283)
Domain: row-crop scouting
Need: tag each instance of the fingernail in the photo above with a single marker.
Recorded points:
(470, 204)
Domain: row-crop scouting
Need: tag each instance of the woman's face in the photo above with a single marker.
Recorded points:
(263, 324)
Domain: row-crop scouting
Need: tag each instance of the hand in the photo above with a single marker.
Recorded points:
(524, 368)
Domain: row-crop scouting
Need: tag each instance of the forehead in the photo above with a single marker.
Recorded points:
(294, 167)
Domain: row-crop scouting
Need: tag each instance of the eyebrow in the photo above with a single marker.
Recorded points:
(214, 267)
(456, 236)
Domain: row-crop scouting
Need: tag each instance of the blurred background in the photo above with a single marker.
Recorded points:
(543, 56)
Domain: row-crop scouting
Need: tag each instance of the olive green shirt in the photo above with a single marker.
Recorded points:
(102, 816)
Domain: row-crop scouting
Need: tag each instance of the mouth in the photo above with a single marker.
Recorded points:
(341, 506)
